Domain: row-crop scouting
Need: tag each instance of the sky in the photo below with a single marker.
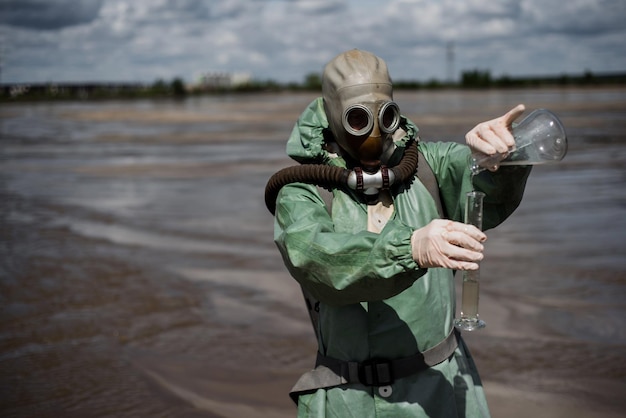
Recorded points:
(285, 40)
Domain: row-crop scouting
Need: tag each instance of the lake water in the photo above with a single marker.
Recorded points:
(138, 276)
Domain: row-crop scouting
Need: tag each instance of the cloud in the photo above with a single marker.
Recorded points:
(315, 8)
(48, 14)
(576, 17)
(283, 40)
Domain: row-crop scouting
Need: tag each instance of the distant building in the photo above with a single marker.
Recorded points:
(217, 80)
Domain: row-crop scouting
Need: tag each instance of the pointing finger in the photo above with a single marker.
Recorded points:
(513, 114)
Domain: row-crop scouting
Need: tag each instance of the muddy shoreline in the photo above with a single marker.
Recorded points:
(138, 276)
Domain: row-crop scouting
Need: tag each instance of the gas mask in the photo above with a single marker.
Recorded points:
(363, 118)
(358, 101)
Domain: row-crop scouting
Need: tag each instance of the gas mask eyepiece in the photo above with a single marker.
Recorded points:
(358, 119)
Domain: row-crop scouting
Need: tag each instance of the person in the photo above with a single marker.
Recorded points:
(377, 267)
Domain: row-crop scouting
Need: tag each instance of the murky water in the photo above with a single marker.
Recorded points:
(138, 275)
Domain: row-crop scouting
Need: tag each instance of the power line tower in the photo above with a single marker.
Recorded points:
(450, 62)
(1, 55)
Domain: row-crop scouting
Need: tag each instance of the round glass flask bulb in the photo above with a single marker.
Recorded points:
(540, 138)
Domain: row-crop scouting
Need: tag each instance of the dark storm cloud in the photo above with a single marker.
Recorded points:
(199, 10)
(497, 10)
(48, 14)
(319, 8)
(600, 17)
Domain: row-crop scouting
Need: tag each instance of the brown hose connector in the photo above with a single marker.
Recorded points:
(330, 177)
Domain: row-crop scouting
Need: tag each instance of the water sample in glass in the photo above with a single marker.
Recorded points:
(540, 138)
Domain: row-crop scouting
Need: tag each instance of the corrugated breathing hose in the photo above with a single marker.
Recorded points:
(330, 177)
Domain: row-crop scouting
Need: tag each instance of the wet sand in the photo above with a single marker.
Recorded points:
(139, 278)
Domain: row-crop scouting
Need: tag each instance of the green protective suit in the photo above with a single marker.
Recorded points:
(375, 301)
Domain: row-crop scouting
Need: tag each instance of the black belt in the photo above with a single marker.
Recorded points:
(381, 372)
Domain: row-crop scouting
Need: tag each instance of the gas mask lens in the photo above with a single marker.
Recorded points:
(389, 117)
(358, 119)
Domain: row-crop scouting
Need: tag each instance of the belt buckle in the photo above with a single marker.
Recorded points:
(376, 372)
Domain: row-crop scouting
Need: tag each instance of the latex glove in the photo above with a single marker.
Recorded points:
(444, 243)
(493, 139)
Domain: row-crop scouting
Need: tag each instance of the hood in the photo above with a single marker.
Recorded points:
(350, 79)
(311, 141)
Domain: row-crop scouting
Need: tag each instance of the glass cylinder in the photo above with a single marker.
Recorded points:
(470, 320)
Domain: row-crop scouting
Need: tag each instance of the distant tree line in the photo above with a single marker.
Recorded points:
(176, 88)
(91, 90)
(482, 79)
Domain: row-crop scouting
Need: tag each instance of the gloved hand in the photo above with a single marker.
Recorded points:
(493, 139)
(449, 244)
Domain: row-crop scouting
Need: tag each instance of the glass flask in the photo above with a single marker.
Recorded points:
(540, 138)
